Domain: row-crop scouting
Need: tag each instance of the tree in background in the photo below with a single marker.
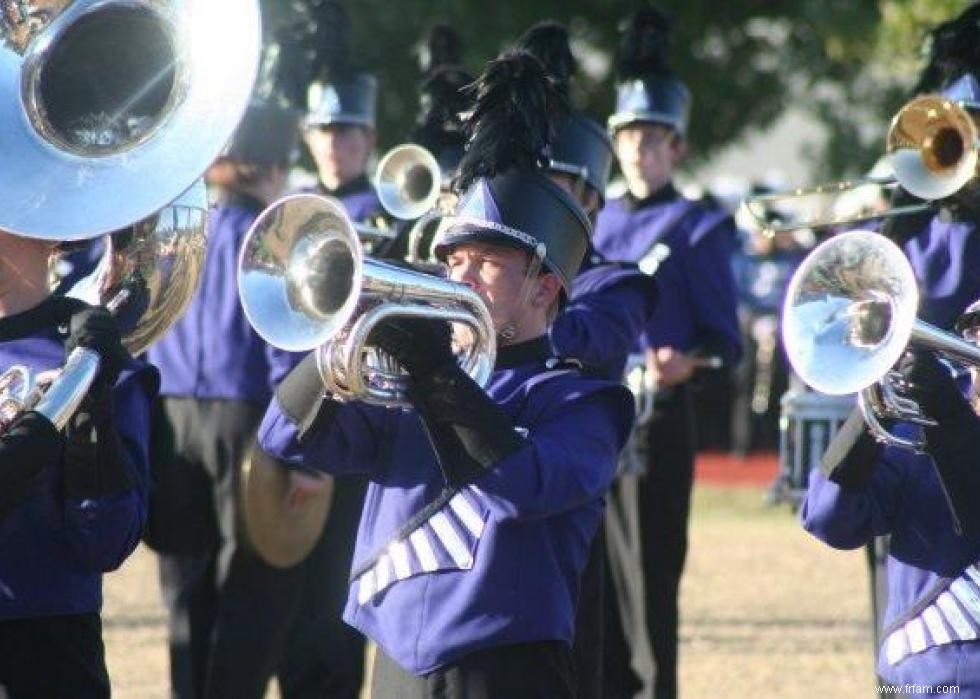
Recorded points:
(850, 62)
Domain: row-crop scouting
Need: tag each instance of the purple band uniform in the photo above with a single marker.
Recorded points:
(497, 562)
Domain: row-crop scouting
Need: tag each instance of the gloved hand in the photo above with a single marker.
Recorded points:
(26, 447)
(95, 464)
(931, 385)
(302, 397)
(96, 329)
(953, 442)
(852, 455)
(420, 345)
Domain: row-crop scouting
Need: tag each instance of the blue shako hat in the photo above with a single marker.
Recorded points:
(526, 210)
(346, 101)
(581, 147)
(506, 197)
(965, 90)
(952, 50)
(647, 89)
(339, 92)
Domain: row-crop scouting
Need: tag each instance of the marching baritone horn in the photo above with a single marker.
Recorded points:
(305, 283)
(932, 149)
(849, 314)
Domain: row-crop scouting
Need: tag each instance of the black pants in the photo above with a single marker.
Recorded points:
(646, 527)
(53, 658)
(229, 611)
(541, 670)
(323, 657)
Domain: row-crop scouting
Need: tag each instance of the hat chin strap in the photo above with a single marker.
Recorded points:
(508, 331)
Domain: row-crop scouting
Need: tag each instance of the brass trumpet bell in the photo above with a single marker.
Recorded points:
(932, 147)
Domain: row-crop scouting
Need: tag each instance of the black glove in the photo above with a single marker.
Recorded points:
(420, 345)
(96, 329)
(303, 399)
(468, 430)
(852, 454)
(95, 464)
(931, 385)
(29, 444)
(952, 443)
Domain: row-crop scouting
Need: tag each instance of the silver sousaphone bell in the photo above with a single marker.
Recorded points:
(112, 108)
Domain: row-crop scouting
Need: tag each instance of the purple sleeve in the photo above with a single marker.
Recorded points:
(570, 458)
(714, 298)
(600, 325)
(850, 518)
(103, 531)
(281, 363)
(349, 445)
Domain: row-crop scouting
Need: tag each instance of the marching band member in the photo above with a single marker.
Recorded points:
(865, 490)
(691, 246)
(339, 126)
(481, 505)
(227, 607)
(81, 494)
(941, 244)
(609, 306)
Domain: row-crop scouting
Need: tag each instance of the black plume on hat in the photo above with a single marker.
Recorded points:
(644, 48)
(442, 46)
(443, 100)
(953, 49)
(515, 107)
(548, 42)
(286, 66)
(332, 61)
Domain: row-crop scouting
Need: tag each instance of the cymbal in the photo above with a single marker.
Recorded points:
(281, 535)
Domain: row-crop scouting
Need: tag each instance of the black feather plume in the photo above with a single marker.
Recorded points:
(439, 123)
(515, 107)
(548, 42)
(286, 66)
(330, 39)
(442, 46)
(644, 49)
(953, 49)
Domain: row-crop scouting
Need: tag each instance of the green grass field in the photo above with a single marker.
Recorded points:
(767, 612)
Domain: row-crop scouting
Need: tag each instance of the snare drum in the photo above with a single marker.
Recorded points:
(807, 422)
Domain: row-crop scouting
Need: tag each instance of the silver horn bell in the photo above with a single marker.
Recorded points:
(305, 283)
(849, 314)
(111, 108)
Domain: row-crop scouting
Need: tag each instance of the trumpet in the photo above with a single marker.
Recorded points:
(932, 150)
(407, 181)
(305, 284)
(849, 315)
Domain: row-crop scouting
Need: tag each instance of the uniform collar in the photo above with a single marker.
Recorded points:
(663, 195)
(358, 184)
(527, 352)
